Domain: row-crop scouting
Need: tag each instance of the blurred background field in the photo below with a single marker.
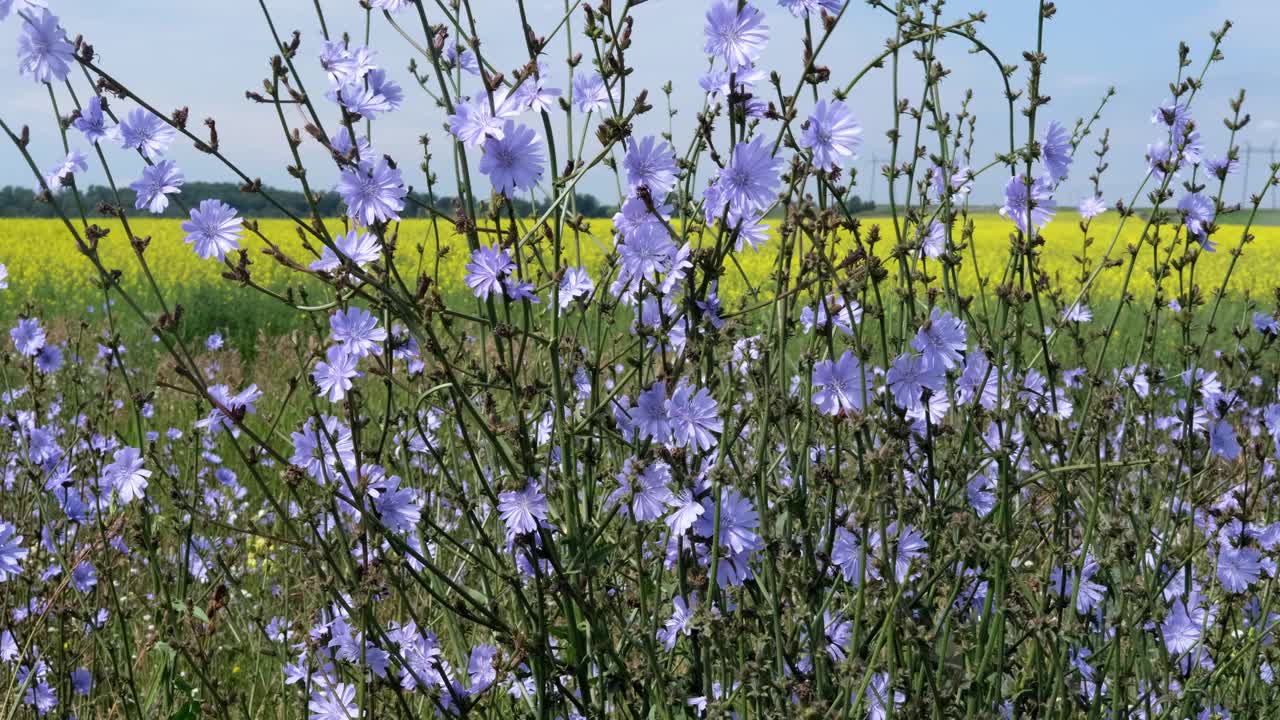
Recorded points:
(48, 275)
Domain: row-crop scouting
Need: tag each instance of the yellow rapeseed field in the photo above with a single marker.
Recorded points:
(45, 267)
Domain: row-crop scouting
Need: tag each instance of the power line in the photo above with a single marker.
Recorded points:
(871, 189)
(1248, 152)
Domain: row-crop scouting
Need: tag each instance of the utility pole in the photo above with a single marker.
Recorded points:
(1273, 162)
(1244, 186)
(1248, 152)
(871, 189)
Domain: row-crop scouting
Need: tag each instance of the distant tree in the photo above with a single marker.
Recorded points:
(855, 204)
(17, 201)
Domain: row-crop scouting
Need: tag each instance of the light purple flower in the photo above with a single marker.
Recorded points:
(646, 252)
(126, 474)
(644, 495)
(960, 185)
(1092, 206)
(1055, 151)
(839, 633)
(39, 693)
(678, 623)
(751, 233)
(694, 422)
(514, 161)
(398, 507)
(933, 242)
(1019, 206)
(576, 283)
(1161, 160)
(840, 385)
(370, 96)
(522, 511)
(1184, 624)
(832, 133)
(214, 229)
(339, 63)
(749, 183)
(216, 420)
(590, 94)
(1198, 213)
(650, 413)
(320, 456)
(359, 248)
(910, 545)
(519, 290)
(1238, 568)
(386, 90)
(1173, 115)
(48, 359)
(391, 6)
(1223, 166)
(345, 63)
(1062, 582)
(811, 8)
(687, 511)
(981, 493)
(1079, 312)
(341, 143)
(7, 6)
(333, 702)
(480, 669)
(828, 309)
(736, 37)
(910, 375)
(28, 337)
(634, 219)
(373, 192)
(73, 163)
(1223, 442)
(710, 308)
(534, 94)
(84, 577)
(716, 83)
(651, 164)
(476, 121)
(11, 551)
(146, 133)
(458, 56)
(357, 330)
(738, 522)
(941, 340)
(877, 697)
(44, 55)
(334, 374)
(82, 681)
(1262, 322)
(488, 266)
(156, 184)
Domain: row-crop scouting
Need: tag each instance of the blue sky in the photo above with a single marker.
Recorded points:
(206, 54)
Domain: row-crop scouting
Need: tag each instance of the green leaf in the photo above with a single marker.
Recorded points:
(165, 649)
(189, 711)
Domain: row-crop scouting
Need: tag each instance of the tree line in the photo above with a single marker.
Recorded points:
(22, 202)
